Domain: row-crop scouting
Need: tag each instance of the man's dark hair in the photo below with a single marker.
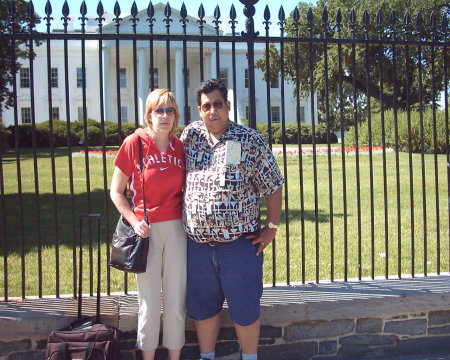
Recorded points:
(208, 86)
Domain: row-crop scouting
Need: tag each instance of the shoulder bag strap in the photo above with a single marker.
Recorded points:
(141, 163)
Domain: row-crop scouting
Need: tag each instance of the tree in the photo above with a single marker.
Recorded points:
(24, 21)
(346, 19)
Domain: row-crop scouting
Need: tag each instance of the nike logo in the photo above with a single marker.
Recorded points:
(162, 169)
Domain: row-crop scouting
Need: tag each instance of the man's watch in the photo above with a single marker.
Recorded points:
(271, 225)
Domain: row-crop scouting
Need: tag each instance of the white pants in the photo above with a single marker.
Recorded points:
(166, 271)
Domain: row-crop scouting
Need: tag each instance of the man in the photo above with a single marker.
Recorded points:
(228, 166)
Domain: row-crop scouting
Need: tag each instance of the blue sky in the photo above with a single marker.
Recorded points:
(192, 7)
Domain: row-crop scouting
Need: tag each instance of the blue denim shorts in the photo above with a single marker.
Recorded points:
(230, 271)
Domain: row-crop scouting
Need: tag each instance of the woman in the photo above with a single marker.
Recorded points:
(164, 175)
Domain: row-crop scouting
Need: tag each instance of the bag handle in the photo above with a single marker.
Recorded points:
(141, 163)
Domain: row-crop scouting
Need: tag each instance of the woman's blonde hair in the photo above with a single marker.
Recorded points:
(154, 100)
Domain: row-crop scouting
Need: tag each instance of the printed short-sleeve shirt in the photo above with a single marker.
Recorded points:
(225, 180)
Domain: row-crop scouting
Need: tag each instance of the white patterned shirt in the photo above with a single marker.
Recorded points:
(224, 181)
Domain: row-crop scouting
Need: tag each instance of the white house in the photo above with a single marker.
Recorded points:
(103, 61)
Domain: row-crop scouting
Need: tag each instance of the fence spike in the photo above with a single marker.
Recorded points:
(419, 19)
(150, 11)
(393, 17)
(100, 13)
(100, 10)
(433, 21)
(379, 17)
(48, 8)
(134, 10)
(30, 9)
(232, 13)
(65, 10)
(281, 15)
(267, 13)
(183, 12)
(117, 10)
(444, 23)
(353, 17)
(83, 9)
(296, 15)
(339, 17)
(310, 17)
(366, 19)
(201, 12)
(324, 15)
(217, 12)
(167, 10)
(11, 7)
(407, 19)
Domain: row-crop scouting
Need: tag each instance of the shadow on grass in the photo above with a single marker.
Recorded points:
(56, 222)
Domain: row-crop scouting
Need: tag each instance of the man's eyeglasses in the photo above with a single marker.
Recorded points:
(160, 111)
(216, 105)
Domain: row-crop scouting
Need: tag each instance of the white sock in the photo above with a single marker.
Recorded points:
(210, 356)
(249, 356)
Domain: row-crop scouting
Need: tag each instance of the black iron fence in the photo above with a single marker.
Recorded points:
(367, 178)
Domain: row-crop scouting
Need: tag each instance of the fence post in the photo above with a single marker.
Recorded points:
(249, 11)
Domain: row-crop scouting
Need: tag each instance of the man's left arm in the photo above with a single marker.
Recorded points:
(266, 234)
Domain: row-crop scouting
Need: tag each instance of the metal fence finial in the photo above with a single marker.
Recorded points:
(249, 11)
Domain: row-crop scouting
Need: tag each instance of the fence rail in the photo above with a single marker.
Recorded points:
(376, 203)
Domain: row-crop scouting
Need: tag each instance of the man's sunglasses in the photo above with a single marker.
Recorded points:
(160, 111)
(216, 105)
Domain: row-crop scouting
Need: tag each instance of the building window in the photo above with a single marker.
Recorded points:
(123, 114)
(276, 83)
(80, 80)
(275, 114)
(224, 76)
(302, 114)
(246, 79)
(123, 77)
(55, 113)
(25, 77)
(26, 115)
(155, 78)
(80, 113)
(247, 113)
(54, 77)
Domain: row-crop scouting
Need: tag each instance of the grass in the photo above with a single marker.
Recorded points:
(313, 254)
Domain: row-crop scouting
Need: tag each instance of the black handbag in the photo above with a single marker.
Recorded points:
(129, 251)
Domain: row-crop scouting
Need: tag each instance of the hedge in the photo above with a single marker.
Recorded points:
(77, 134)
(111, 130)
(290, 135)
(4, 133)
(402, 121)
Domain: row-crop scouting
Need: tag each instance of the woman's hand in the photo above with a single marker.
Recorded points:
(142, 229)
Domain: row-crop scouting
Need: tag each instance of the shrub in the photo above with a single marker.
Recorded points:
(321, 134)
(403, 139)
(44, 137)
(24, 131)
(180, 130)
(4, 134)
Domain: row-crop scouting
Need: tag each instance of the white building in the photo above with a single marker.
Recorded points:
(61, 108)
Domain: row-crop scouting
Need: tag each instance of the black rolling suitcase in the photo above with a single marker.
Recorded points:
(86, 338)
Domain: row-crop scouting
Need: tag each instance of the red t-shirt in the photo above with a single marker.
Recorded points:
(164, 176)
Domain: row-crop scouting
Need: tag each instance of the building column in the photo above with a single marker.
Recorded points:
(179, 83)
(105, 56)
(212, 64)
(142, 81)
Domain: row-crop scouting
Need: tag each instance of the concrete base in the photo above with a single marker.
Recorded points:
(367, 319)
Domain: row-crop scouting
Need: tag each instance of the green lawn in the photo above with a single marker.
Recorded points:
(57, 224)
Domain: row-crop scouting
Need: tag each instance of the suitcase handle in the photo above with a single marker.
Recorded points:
(89, 217)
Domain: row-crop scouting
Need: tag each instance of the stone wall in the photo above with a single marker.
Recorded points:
(331, 321)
